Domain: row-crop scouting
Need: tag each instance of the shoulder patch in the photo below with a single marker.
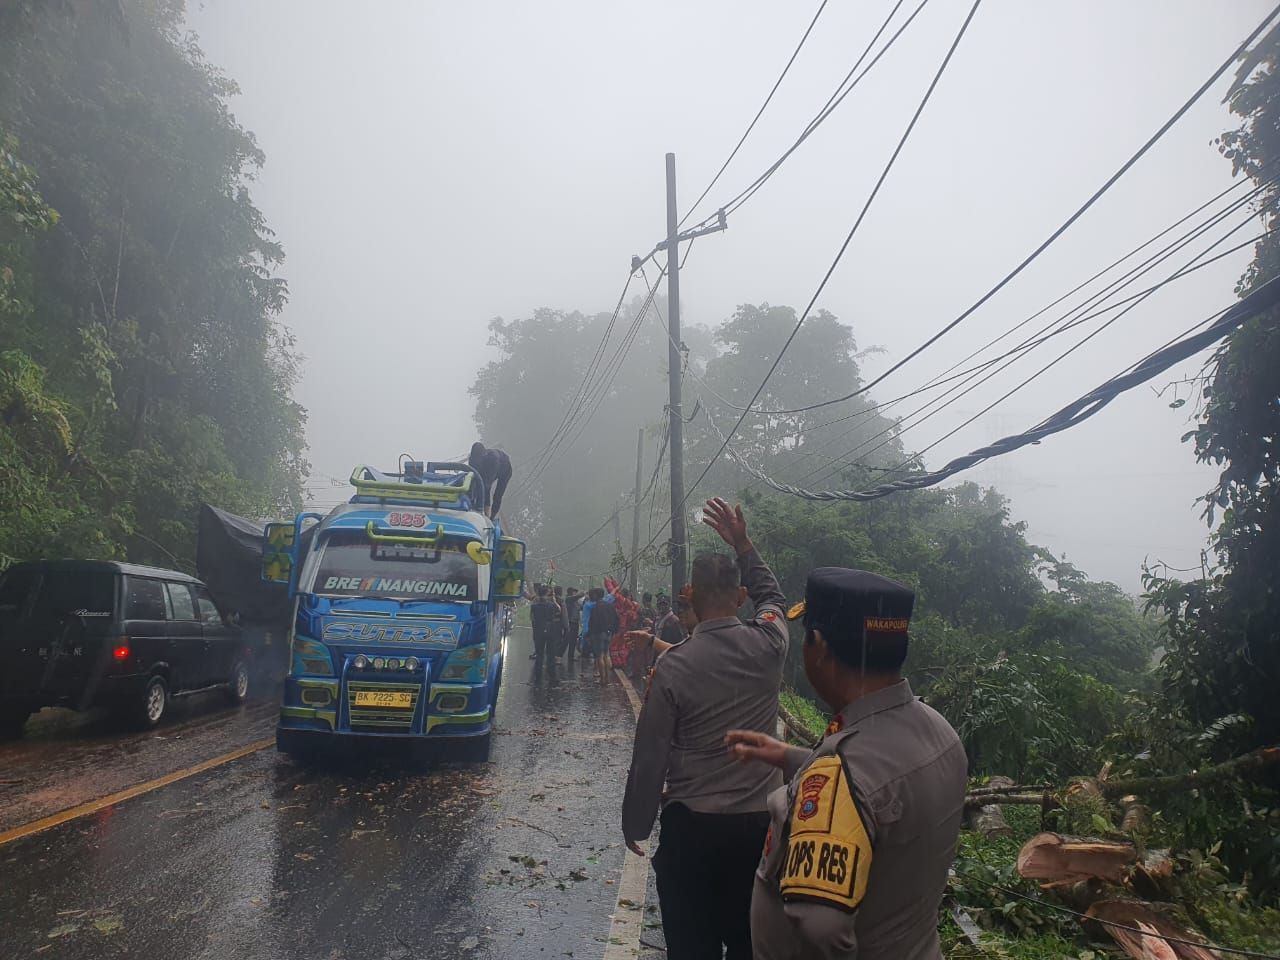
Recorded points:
(769, 616)
(828, 850)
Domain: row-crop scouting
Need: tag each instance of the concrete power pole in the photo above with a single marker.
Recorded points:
(635, 514)
(679, 533)
(679, 527)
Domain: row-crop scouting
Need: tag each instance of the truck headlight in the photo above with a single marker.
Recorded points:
(361, 662)
(413, 664)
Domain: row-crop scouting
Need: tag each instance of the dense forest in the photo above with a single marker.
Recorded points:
(143, 367)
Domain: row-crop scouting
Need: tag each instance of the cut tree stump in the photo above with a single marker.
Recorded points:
(988, 819)
(1136, 816)
(1057, 859)
(1156, 926)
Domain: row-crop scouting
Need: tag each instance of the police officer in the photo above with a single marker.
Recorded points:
(714, 819)
(860, 838)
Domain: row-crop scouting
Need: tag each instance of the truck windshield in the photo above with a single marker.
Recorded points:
(350, 565)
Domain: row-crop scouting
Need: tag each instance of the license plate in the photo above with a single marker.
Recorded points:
(395, 699)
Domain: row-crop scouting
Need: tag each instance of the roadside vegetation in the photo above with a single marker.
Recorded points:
(142, 365)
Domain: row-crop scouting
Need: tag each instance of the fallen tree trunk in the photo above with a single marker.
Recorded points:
(1144, 933)
(1061, 860)
(1006, 799)
(1179, 781)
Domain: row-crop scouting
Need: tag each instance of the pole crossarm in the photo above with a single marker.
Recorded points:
(720, 225)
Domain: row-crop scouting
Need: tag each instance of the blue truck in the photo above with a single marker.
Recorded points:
(400, 612)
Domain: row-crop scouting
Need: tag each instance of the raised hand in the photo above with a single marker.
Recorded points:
(728, 522)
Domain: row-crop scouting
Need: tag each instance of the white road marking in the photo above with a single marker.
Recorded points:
(628, 912)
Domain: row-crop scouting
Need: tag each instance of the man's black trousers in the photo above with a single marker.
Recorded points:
(705, 866)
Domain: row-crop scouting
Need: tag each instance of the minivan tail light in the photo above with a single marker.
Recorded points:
(120, 652)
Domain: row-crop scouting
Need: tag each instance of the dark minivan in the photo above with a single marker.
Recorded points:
(85, 633)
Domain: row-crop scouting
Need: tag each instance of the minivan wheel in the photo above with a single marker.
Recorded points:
(238, 685)
(152, 703)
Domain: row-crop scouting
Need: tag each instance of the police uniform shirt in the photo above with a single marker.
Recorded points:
(861, 837)
(725, 676)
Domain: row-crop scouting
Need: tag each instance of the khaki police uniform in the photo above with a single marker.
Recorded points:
(725, 676)
(861, 837)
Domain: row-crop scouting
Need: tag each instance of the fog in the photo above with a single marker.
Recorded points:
(433, 165)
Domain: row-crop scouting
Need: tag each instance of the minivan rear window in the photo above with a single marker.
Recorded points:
(84, 593)
(144, 599)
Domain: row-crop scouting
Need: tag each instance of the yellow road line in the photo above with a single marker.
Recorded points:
(93, 806)
(628, 918)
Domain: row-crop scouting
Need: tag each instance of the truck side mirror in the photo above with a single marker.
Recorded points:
(508, 569)
(278, 552)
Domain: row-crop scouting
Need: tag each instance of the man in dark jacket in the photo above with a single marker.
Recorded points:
(494, 468)
(544, 617)
(573, 608)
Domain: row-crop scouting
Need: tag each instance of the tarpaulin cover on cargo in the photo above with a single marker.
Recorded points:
(229, 561)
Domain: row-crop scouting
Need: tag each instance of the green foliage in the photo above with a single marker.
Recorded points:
(1223, 909)
(984, 864)
(142, 367)
(1222, 633)
(804, 710)
(1031, 677)
(1027, 716)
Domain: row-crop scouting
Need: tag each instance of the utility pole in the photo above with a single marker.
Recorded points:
(679, 533)
(635, 514)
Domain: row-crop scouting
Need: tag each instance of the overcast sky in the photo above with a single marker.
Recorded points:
(431, 165)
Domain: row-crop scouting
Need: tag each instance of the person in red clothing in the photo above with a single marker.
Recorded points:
(628, 619)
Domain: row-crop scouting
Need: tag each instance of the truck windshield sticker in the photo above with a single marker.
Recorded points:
(392, 585)
(351, 566)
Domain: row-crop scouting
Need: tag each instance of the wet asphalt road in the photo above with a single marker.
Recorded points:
(365, 858)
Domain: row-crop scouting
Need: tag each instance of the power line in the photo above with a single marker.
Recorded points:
(1264, 298)
(1124, 168)
(1132, 303)
(592, 403)
(1041, 336)
(898, 149)
(1115, 924)
(590, 400)
(607, 520)
(836, 98)
(626, 502)
(848, 239)
(1045, 309)
(756, 119)
(574, 406)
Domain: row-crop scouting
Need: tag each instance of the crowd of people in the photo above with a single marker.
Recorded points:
(605, 628)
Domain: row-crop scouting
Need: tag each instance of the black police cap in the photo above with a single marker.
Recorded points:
(851, 607)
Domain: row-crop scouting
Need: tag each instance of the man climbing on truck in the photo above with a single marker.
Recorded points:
(494, 467)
